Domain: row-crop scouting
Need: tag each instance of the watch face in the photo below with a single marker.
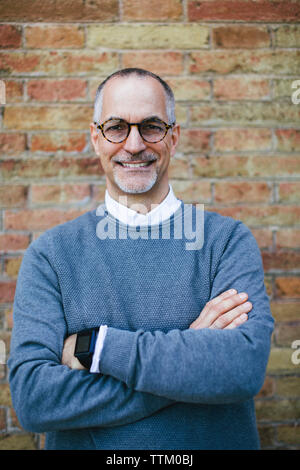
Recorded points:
(83, 343)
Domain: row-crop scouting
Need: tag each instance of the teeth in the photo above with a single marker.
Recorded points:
(134, 165)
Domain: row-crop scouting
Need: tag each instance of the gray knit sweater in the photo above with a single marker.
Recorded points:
(161, 385)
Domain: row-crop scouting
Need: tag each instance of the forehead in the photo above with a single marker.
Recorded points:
(133, 98)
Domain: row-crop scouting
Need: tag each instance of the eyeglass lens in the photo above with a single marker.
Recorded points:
(117, 130)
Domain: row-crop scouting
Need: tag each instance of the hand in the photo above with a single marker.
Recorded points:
(68, 358)
(227, 311)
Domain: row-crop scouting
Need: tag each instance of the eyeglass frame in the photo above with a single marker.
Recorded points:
(138, 124)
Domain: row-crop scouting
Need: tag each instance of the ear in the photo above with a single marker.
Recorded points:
(94, 138)
(175, 139)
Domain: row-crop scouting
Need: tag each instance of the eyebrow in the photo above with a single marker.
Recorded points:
(154, 117)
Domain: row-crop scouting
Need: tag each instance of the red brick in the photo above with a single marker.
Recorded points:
(39, 219)
(155, 10)
(7, 291)
(57, 11)
(194, 140)
(189, 89)
(288, 140)
(12, 143)
(240, 37)
(13, 91)
(13, 196)
(192, 191)
(58, 62)
(243, 139)
(54, 36)
(238, 192)
(67, 117)
(262, 215)
(56, 90)
(169, 63)
(288, 287)
(263, 237)
(244, 61)
(289, 192)
(284, 261)
(13, 242)
(241, 88)
(288, 238)
(284, 311)
(12, 266)
(10, 36)
(285, 334)
(240, 10)
(60, 194)
(55, 141)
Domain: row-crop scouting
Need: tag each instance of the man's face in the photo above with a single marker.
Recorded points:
(134, 99)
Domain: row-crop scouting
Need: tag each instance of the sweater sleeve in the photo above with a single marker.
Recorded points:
(46, 395)
(207, 365)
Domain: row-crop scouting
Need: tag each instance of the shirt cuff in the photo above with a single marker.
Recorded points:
(98, 349)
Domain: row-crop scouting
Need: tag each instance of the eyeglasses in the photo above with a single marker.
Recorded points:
(117, 130)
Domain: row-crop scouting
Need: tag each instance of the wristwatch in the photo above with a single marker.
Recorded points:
(85, 346)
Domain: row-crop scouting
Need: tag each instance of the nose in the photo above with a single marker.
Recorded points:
(134, 142)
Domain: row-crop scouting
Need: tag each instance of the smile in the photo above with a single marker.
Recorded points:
(136, 164)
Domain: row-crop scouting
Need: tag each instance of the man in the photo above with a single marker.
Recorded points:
(178, 353)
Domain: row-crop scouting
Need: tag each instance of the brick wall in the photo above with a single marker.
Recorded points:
(231, 64)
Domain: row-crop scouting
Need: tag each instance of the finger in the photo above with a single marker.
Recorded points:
(237, 322)
(211, 303)
(227, 318)
(225, 306)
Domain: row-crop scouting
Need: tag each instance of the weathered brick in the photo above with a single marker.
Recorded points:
(58, 141)
(241, 10)
(98, 192)
(194, 140)
(192, 191)
(283, 409)
(280, 362)
(146, 36)
(262, 62)
(39, 219)
(13, 91)
(284, 261)
(245, 166)
(55, 194)
(286, 333)
(263, 237)
(12, 143)
(241, 88)
(288, 286)
(67, 36)
(10, 36)
(155, 10)
(251, 114)
(56, 11)
(189, 89)
(285, 311)
(266, 436)
(17, 442)
(287, 386)
(242, 139)
(57, 63)
(240, 37)
(13, 242)
(235, 192)
(287, 36)
(15, 169)
(179, 168)
(12, 266)
(289, 192)
(7, 293)
(2, 420)
(268, 388)
(56, 90)
(289, 434)
(68, 117)
(288, 140)
(13, 196)
(288, 238)
(282, 88)
(169, 63)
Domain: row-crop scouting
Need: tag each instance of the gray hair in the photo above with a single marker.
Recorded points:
(170, 100)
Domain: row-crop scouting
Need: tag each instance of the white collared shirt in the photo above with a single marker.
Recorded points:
(124, 214)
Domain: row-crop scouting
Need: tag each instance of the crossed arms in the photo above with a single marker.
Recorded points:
(141, 371)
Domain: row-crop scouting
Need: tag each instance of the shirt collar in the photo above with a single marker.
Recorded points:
(158, 214)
